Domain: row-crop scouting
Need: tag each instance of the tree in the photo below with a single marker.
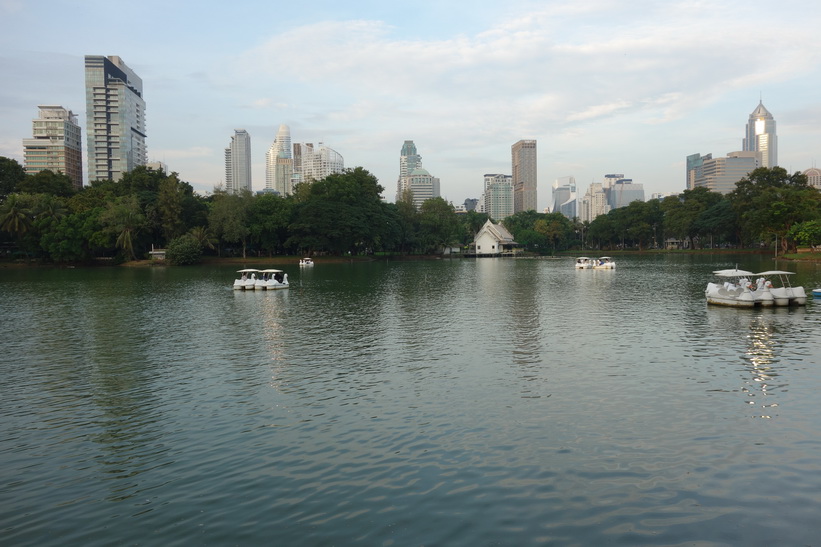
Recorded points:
(15, 216)
(183, 251)
(170, 196)
(806, 233)
(342, 213)
(228, 217)
(47, 182)
(11, 174)
(73, 237)
(408, 222)
(268, 219)
(769, 202)
(202, 235)
(682, 213)
(555, 228)
(437, 223)
(124, 219)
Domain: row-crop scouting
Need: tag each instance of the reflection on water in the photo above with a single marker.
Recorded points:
(462, 402)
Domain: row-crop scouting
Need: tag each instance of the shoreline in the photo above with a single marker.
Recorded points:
(275, 260)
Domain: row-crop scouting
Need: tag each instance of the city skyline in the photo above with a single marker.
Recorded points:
(603, 87)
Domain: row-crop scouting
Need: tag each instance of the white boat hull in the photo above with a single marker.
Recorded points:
(721, 296)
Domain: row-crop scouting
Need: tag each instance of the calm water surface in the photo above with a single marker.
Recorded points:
(454, 402)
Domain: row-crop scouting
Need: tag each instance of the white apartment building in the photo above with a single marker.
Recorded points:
(56, 144)
(312, 164)
(497, 198)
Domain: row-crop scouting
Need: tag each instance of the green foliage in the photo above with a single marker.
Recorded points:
(768, 202)
(73, 237)
(183, 251)
(438, 224)
(806, 233)
(268, 218)
(47, 182)
(11, 174)
(15, 215)
(124, 219)
(341, 213)
(228, 217)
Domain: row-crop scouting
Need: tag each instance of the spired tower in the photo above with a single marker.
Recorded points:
(760, 136)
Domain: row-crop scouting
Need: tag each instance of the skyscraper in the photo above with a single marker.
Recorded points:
(238, 162)
(524, 175)
(497, 199)
(115, 118)
(56, 144)
(760, 136)
(279, 164)
(564, 197)
(409, 160)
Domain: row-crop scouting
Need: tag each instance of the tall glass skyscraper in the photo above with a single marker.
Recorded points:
(760, 136)
(115, 118)
(238, 162)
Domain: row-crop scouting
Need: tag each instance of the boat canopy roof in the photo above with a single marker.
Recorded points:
(271, 271)
(733, 273)
(775, 272)
(583, 258)
(247, 270)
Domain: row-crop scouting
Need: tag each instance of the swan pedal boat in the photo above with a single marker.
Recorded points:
(744, 289)
(785, 294)
(734, 290)
(261, 280)
(584, 263)
(307, 261)
(604, 263)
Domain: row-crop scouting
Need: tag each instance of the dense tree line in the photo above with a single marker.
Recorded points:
(42, 217)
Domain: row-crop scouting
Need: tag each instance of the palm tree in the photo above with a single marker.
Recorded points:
(124, 218)
(15, 217)
(50, 207)
(202, 235)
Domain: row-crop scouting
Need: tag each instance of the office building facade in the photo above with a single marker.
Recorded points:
(56, 144)
(564, 197)
(620, 191)
(238, 163)
(115, 118)
(523, 156)
(720, 174)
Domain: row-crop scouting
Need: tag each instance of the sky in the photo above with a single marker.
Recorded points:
(603, 86)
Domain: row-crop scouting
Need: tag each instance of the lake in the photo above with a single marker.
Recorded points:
(448, 402)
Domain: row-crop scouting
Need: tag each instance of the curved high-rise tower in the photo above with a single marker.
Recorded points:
(760, 136)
